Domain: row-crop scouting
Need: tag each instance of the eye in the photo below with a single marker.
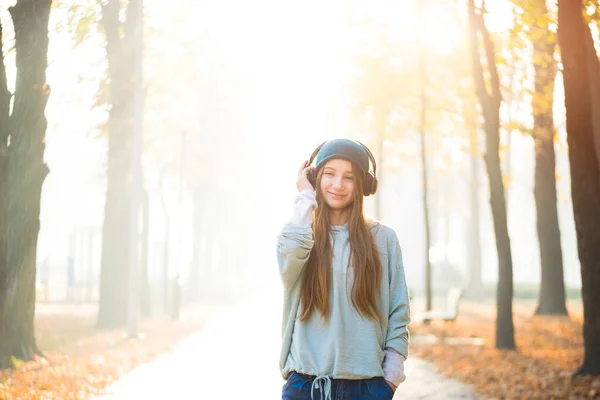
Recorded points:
(327, 173)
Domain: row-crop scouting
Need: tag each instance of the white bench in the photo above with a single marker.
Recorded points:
(450, 311)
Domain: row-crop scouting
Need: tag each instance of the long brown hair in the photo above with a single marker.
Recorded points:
(364, 259)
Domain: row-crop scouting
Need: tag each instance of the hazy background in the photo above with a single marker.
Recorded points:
(237, 95)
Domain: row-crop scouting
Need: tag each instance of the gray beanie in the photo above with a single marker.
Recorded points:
(346, 149)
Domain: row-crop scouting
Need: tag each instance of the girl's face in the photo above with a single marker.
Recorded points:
(337, 183)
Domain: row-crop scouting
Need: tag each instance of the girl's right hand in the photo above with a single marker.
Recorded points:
(302, 182)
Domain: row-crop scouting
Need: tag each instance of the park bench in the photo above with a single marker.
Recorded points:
(450, 311)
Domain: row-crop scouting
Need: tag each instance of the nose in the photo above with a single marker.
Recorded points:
(338, 182)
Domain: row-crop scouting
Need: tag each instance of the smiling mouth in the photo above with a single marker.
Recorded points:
(336, 196)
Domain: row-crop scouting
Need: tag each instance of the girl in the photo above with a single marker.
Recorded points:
(346, 306)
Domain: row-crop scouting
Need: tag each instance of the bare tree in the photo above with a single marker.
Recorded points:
(490, 104)
(115, 265)
(552, 288)
(22, 173)
(575, 42)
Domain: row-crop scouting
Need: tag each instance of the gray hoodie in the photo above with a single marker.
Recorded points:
(348, 346)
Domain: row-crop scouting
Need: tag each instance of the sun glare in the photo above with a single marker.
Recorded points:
(296, 59)
(440, 25)
(499, 17)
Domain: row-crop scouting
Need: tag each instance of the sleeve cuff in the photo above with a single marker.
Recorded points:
(305, 203)
(393, 366)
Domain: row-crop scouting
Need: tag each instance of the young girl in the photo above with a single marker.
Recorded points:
(346, 306)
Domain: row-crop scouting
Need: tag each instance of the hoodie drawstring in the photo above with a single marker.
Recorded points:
(325, 387)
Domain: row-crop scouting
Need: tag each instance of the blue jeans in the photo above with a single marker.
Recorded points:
(297, 387)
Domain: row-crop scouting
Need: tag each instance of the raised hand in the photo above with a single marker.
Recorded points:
(302, 182)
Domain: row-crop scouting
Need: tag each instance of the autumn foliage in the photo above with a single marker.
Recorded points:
(549, 351)
(81, 362)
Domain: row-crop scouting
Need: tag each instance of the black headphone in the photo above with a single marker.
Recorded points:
(370, 183)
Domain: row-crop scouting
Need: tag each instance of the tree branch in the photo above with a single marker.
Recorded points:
(491, 62)
(480, 89)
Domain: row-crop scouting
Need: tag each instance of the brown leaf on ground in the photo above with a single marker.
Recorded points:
(80, 361)
(549, 350)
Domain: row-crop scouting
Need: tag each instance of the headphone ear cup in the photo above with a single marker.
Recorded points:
(374, 184)
(367, 184)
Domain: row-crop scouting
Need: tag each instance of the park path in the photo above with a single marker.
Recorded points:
(235, 356)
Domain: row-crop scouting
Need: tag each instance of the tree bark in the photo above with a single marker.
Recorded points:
(114, 275)
(5, 96)
(490, 103)
(593, 67)
(594, 74)
(145, 293)
(424, 169)
(167, 244)
(475, 286)
(552, 288)
(381, 158)
(26, 174)
(585, 175)
(426, 217)
(198, 212)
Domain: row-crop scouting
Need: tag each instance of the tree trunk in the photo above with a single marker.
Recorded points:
(585, 175)
(380, 151)
(490, 103)
(552, 288)
(424, 169)
(475, 286)
(198, 211)
(594, 83)
(594, 73)
(167, 244)
(5, 96)
(425, 199)
(114, 275)
(145, 294)
(26, 174)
